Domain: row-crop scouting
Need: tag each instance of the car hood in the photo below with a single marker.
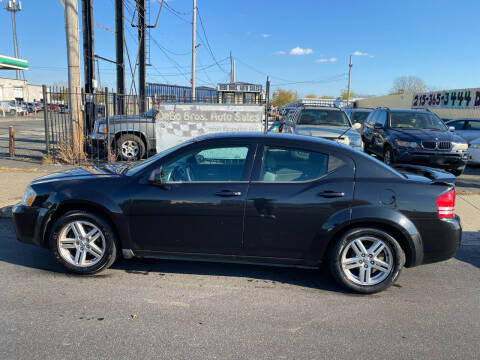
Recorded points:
(123, 118)
(425, 135)
(326, 131)
(81, 173)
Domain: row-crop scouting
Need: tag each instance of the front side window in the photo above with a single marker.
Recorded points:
(324, 117)
(281, 164)
(359, 116)
(415, 120)
(458, 125)
(224, 164)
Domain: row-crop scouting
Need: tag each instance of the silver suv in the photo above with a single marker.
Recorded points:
(321, 120)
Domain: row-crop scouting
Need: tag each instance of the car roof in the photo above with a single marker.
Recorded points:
(460, 119)
(410, 110)
(362, 109)
(320, 108)
(261, 136)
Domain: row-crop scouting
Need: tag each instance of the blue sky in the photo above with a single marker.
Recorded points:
(303, 45)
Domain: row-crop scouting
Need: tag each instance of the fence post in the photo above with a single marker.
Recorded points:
(45, 119)
(107, 118)
(11, 141)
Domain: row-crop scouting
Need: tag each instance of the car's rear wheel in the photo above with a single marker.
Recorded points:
(83, 242)
(366, 260)
(456, 172)
(130, 147)
(388, 157)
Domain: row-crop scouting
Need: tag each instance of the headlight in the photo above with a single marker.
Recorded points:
(475, 146)
(408, 144)
(29, 196)
(459, 146)
(102, 128)
(343, 140)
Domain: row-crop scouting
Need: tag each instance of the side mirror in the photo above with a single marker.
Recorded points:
(156, 177)
(357, 126)
(451, 128)
(378, 126)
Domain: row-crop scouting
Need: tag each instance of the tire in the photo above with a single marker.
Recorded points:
(130, 147)
(456, 172)
(349, 273)
(97, 258)
(12, 112)
(388, 156)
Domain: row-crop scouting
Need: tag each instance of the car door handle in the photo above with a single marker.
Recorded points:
(331, 194)
(228, 193)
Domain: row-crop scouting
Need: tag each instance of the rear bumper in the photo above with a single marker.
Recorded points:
(28, 222)
(433, 159)
(441, 239)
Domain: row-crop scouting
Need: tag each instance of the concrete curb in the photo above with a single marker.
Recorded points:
(6, 212)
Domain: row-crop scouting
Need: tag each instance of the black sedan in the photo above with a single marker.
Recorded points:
(272, 199)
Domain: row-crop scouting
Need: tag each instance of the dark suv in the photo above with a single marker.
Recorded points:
(414, 137)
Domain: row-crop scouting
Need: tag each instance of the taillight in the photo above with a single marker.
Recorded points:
(446, 205)
(280, 129)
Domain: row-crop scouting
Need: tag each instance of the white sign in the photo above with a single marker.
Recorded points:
(176, 123)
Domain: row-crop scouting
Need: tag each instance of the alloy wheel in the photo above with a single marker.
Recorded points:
(367, 260)
(81, 243)
(130, 149)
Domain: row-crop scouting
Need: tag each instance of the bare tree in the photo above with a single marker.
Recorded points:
(408, 84)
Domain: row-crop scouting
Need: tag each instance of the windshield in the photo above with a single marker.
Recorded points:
(323, 117)
(360, 116)
(415, 120)
(143, 164)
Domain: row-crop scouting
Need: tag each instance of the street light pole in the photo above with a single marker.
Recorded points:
(13, 6)
(194, 46)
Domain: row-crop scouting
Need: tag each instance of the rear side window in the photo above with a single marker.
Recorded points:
(282, 164)
(473, 125)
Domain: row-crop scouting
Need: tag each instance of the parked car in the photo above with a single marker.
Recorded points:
(53, 107)
(414, 137)
(12, 108)
(248, 197)
(320, 119)
(358, 115)
(474, 152)
(469, 129)
(133, 136)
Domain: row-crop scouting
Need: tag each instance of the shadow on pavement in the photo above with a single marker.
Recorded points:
(15, 252)
(469, 252)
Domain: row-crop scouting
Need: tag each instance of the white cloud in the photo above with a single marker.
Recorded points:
(325, 60)
(359, 53)
(280, 52)
(265, 35)
(300, 51)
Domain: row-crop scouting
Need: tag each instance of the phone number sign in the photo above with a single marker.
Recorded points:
(450, 99)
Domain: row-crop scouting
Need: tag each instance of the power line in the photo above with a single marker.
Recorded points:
(208, 43)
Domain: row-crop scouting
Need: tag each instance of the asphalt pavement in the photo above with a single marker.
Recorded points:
(188, 310)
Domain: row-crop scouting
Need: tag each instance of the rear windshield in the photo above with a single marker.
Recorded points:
(416, 120)
(323, 117)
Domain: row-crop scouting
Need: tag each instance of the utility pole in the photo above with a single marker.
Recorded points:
(349, 75)
(141, 53)
(119, 41)
(13, 6)
(194, 45)
(232, 68)
(88, 62)
(74, 88)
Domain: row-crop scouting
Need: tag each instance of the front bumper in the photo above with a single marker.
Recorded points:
(29, 224)
(474, 156)
(443, 160)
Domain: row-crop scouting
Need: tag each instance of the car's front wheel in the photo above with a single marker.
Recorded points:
(388, 157)
(130, 147)
(83, 242)
(366, 260)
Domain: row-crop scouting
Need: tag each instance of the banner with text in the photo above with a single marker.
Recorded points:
(449, 99)
(176, 123)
